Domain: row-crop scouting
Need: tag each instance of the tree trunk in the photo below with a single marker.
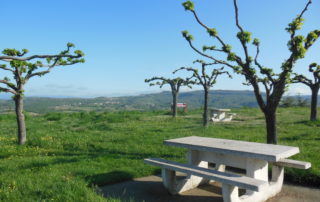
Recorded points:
(314, 103)
(174, 104)
(22, 133)
(271, 123)
(205, 108)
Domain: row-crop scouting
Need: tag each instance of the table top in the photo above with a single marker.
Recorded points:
(268, 152)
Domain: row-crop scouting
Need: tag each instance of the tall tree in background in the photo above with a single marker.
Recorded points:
(313, 85)
(257, 75)
(175, 85)
(24, 68)
(206, 80)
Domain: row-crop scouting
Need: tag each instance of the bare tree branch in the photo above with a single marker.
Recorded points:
(10, 85)
(10, 58)
(207, 28)
(5, 68)
(262, 70)
(8, 90)
(208, 56)
(243, 43)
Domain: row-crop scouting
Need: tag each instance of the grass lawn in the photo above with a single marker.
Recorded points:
(68, 154)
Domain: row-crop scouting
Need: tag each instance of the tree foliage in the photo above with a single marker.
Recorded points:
(314, 85)
(175, 85)
(202, 77)
(206, 80)
(257, 75)
(22, 68)
(314, 68)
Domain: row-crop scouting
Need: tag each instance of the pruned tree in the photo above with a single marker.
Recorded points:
(23, 68)
(206, 80)
(314, 85)
(175, 85)
(257, 75)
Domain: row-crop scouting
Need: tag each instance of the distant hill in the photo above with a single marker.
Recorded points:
(155, 101)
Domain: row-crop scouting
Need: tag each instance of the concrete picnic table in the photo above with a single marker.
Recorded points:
(218, 115)
(250, 156)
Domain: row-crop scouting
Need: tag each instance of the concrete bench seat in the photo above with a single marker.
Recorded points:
(293, 164)
(230, 182)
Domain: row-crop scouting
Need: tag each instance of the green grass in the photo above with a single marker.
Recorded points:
(69, 154)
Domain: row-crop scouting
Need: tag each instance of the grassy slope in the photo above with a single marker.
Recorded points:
(68, 154)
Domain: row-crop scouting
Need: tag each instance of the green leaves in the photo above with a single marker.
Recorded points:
(49, 59)
(227, 48)
(79, 53)
(204, 48)
(69, 45)
(11, 52)
(296, 24)
(6, 79)
(311, 38)
(256, 42)
(24, 51)
(212, 32)
(175, 83)
(244, 37)
(187, 36)
(237, 69)
(14, 52)
(266, 71)
(296, 46)
(232, 57)
(17, 63)
(23, 68)
(188, 5)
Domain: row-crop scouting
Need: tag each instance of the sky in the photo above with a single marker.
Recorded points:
(127, 41)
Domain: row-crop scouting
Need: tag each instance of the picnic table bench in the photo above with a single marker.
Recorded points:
(250, 156)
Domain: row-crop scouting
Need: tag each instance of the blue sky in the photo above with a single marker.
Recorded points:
(127, 41)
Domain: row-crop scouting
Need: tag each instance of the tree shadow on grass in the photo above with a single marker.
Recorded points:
(109, 178)
(291, 138)
(112, 153)
(303, 136)
(39, 164)
(309, 123)
(4, 156)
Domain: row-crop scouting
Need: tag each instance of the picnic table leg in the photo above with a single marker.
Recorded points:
(194, 159)
(230, 193)
(277, 179)
(191, 181)
(271, 190)
(220, 167)
(169, 179)
(222, 115)
(277, 174)
(257, 169)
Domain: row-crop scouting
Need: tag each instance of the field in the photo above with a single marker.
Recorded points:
(69, 154)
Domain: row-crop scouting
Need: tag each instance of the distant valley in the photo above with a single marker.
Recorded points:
(145, 102)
